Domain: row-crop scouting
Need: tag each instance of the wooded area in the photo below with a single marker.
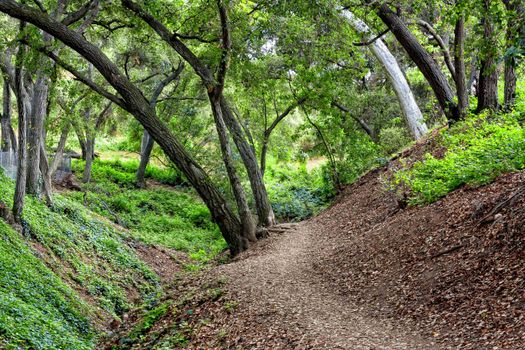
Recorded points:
(266, 110)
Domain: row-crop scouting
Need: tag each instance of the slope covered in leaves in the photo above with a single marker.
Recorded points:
(370, 271)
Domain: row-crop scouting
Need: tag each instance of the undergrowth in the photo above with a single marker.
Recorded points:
(477, 151)
(155, 215)
(38, 310)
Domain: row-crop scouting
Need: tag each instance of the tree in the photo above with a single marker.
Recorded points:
(132, 100)
(426, 64)
(411, 112)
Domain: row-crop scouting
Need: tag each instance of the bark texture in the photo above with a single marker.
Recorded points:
(426, 64)
(459, 64)
(411, 112)
(6, 128)
(488, 74)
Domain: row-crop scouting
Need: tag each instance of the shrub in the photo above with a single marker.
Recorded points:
(478, 150)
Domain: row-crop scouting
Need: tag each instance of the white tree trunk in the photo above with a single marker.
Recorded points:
(408, 104)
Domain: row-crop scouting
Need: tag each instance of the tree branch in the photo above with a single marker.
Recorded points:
(446, 53)
(201, 69)
(79, 76)
(373, 40)
(162, 84)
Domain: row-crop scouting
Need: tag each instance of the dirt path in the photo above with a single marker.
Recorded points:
(298, 309)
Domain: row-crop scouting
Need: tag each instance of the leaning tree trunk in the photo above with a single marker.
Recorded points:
(459, 64)
(132, 100)
(247, 222)
(426, 64)
(35, 133)
(488, 74)
(409, 107)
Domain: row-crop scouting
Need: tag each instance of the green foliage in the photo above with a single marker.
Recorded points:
(295, 193)
(123, 172)
(37, 310)
(148, 320)
(88, 253)
(155, 215)
(478, 150)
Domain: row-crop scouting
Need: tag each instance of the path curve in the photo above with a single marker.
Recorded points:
(275, 285)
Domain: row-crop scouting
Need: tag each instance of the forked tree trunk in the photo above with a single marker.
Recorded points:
(426, 64)
(247, 222)
(411, 112)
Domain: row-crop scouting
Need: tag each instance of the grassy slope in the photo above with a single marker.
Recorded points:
(65, 252)
(156, 215)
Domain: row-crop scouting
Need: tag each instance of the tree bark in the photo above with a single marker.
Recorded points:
(488, 74)
(146, 146)
(459, 64)
(7, 130)
(35, 133)
(23, 110)
(133, 101)
(411, 112)
(426, 64)
(247, 222)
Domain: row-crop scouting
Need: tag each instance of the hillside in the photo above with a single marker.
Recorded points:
(367, 273)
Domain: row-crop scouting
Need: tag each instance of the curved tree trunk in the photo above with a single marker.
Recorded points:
(409, 107)
(133, 101)
(426, 64)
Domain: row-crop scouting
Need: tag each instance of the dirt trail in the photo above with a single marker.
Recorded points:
(298, 308)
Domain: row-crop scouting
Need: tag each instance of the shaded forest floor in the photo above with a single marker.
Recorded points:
(364, 274)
